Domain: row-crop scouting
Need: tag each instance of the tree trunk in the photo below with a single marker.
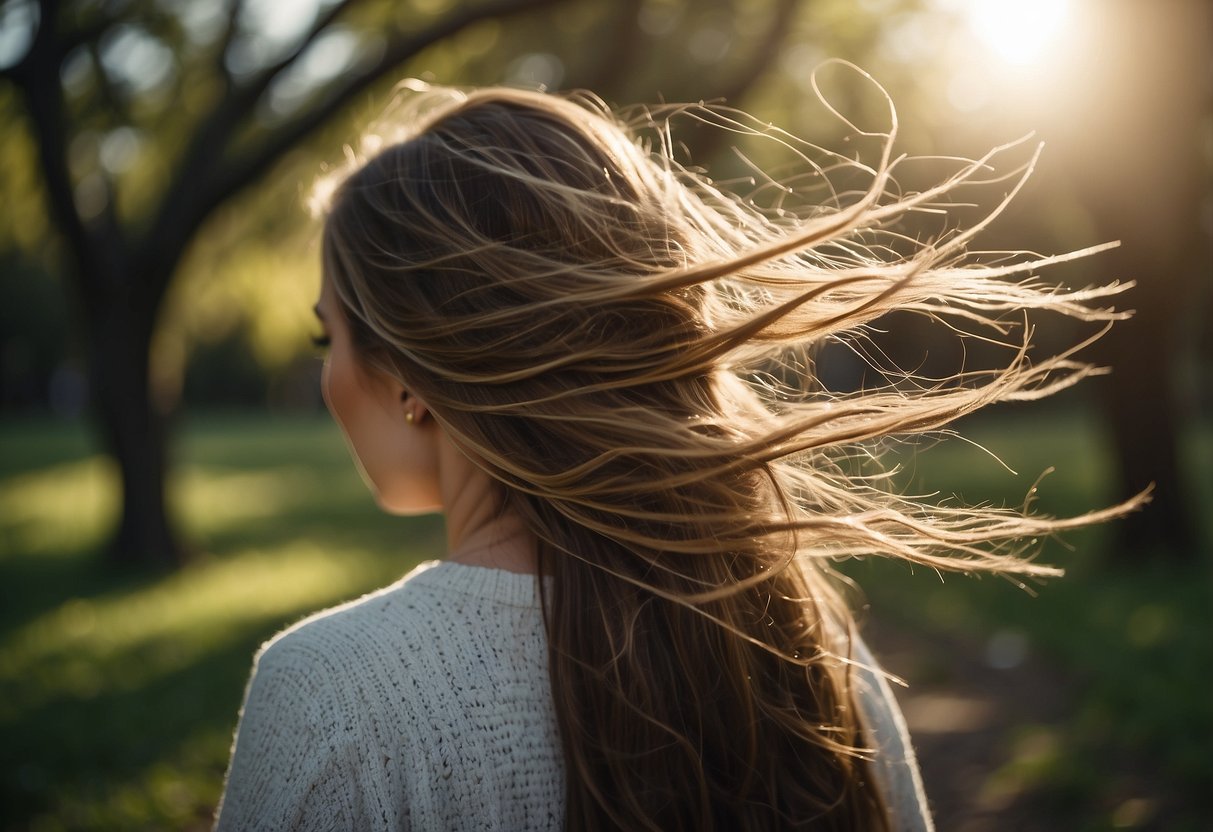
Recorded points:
(1142, 412)
(1139, 166)
(134, 428)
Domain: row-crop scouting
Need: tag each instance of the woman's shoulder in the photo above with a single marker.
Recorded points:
(335, 626)
(437, 602)
(306, 741)
(340, 635)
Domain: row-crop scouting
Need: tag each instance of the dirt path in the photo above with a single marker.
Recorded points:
(989, 721)
(980, 716)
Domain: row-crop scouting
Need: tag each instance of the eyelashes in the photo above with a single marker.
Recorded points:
(321, 342)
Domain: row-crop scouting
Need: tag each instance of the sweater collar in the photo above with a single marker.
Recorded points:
(511, 588)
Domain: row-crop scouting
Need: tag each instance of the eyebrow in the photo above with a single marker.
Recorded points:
(319, 314)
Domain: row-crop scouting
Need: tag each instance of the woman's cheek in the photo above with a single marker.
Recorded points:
(340, 393)
(325, 374)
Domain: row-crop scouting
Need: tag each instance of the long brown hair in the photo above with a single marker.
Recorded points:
(595, 326)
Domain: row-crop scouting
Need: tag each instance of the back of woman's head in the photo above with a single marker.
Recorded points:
(470, 246)
(586, 319)
(504, 261)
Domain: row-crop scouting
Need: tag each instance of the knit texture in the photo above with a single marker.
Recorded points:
(426, 705)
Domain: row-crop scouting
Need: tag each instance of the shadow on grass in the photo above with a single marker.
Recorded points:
(120, 690)
(105, 742)
(30, 584)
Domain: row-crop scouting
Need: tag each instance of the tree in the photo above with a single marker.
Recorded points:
(1141, 168)
(120, 267)
(219, 103)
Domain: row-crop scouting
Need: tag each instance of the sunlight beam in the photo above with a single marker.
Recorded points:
(1017, 31)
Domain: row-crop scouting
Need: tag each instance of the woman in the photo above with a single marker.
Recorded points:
(572, 348)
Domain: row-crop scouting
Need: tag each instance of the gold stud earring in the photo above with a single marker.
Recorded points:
(408, 417)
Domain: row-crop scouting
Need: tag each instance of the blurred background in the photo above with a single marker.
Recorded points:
(172, 493)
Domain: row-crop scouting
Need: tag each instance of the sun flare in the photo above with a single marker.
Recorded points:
(1017, 31)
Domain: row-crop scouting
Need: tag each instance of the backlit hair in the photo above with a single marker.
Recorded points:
(623, 347)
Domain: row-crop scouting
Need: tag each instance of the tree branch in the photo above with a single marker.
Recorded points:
(763, 55)
(225, 42)
(248, 94)
(198, 195)
(216, 130)
(181, 203)
(38, 80)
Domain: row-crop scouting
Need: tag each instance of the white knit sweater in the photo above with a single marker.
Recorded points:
(426, 705)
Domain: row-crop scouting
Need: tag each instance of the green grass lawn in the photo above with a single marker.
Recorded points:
(119, 692)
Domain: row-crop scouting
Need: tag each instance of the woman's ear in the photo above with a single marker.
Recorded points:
(415, 410)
